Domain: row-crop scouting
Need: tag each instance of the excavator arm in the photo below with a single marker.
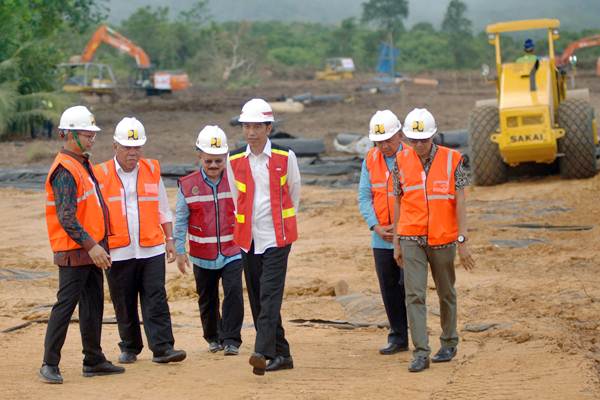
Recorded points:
(105, 34)
(582, 43)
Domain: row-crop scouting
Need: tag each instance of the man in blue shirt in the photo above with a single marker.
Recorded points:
(205, 211)
(376, 202)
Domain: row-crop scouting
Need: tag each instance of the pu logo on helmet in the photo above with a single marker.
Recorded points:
(92, 120)
(215, 142)
(379, 129)
(418, 126)
(133, 134)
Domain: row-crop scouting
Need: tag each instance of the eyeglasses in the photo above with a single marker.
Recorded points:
(423, 141)
(217, 161)
(87, 135)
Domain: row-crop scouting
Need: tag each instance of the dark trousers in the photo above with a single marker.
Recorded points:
(391, 284)
(145, 278)
(83, 285)
(226, 329)
(265, 281)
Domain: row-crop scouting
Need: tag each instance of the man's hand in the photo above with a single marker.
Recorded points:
(170, 248)
(385, 231)
(398, 253)
(466, 259)
(182, 262)
(100, 257)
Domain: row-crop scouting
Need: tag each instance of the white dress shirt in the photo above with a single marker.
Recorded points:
(263, 231)
(129, 180)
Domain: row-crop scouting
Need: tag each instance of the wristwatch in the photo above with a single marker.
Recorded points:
(461, 239)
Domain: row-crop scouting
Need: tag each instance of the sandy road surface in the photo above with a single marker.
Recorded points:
(544, 298)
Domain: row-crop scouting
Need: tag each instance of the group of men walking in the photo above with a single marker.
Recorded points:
(238, 213)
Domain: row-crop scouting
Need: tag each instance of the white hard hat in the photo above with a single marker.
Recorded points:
(383, 125)
(130, 132)
(212, 140)
(256, 110)
(419, 124)
(78, 118)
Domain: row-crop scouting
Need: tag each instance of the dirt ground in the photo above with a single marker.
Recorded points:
(539, 288)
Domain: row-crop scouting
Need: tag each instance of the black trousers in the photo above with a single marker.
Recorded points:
(391, 283)
(265, 281)
(83, 285)
(226, 329)
(145, 278)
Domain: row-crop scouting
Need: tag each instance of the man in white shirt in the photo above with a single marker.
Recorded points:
(140, 221)
(266, 192)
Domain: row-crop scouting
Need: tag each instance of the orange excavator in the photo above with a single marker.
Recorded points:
(590, 41)
(154, 82)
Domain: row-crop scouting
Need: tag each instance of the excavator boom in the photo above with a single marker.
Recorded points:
(105, 34)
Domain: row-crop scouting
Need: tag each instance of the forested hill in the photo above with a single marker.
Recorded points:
(574, 14)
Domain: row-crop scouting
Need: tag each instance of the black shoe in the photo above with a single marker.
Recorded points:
(169, 356)
(259, 363)
(279, 363)
(127, 358)
(50, 374)
(213, 347)
(231, 350)
(104, 368)
(445, 354)
(418, 364)
(392, 348)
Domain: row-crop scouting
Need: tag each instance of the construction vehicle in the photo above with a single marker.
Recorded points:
(153, 82)
(88, 78)
(337, 69)
(533, 119)
(565, 58)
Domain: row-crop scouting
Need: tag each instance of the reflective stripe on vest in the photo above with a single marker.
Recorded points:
(382, 190)
(283, 211)
(89, 211)
(148, 180)
(210, 222)
(428, 205)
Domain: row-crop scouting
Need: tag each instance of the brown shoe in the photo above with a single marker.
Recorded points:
(259, 363)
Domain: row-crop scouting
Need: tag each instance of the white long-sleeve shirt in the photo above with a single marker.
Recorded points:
(263, 231)
(129, 180)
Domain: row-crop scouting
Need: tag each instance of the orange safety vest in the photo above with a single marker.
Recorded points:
(284, 214)
(428, 205)
(89, 210)
(148, 179)
(382, 186)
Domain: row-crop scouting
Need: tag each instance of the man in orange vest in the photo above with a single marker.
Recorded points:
(77, 220)
(205, 210)
(376, 202)
(430, 224)
(140, 221)
(266, 191)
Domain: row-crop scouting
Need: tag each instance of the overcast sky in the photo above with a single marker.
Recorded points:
(574, 14)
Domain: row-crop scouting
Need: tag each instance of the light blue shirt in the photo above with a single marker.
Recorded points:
(182, 216)
(365, 203)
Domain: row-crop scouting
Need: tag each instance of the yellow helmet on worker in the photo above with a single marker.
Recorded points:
(78, 118)
(419, 124)
(383, 125)
(212, 140)
(256, 110)
(130, 132)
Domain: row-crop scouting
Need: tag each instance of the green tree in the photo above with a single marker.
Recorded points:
(458, 29)
(387, 14)
(29, 51)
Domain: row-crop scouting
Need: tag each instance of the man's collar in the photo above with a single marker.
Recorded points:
(266, 149)
(208, 180)
(118, 166)
(79, 157)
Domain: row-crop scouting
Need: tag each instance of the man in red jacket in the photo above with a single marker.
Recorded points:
(205, 212)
